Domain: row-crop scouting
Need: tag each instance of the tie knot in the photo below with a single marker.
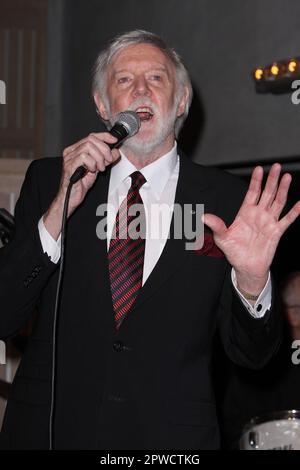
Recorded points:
(137, 180)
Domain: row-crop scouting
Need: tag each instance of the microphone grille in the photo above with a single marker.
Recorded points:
(130, 120)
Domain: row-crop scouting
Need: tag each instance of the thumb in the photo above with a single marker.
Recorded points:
(214, 223)
(115, 154)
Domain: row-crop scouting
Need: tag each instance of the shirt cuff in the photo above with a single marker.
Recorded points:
(263, 302)
(50, 246)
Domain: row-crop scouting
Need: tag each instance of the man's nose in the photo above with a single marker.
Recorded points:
(141, 87)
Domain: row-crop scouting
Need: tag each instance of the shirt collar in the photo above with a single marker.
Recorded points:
(156, 173)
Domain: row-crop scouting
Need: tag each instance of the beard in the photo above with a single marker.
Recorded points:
(164, 127)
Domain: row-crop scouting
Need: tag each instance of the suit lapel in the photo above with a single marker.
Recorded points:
(190, 190)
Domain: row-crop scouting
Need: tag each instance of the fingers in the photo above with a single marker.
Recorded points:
(92, 152)
(101, 154)
(73, 147)
(214, 223)
(110, 155)
(281, 196)
(270, 190)
(274, 196)
(85, 160)
(290, 217)
(71, 165)
(254, 190)
(100, 137)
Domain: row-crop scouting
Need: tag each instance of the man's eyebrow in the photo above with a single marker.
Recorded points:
(161, 68)
(151, 69)
(120, 71)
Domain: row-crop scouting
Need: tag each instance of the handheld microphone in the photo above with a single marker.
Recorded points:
(127, 124)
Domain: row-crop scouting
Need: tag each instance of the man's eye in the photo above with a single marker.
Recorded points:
(156, 78)
(123, 80)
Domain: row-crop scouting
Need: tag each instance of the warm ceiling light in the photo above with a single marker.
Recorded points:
(277, 77)
(274, 69)
(292, 65)
(258, 74)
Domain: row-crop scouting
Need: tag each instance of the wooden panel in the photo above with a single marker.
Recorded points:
(22, 67)
(12, 79)
(3, 72)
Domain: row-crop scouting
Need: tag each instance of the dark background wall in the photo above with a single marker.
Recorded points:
(221, 42)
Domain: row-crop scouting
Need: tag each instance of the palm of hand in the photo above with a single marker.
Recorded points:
(250, 242)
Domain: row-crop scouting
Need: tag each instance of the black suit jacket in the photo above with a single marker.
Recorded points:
(149, 385)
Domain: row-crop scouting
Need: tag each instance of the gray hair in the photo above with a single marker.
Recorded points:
(142, 37)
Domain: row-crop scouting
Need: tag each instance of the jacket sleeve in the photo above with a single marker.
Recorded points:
(24, 267)
(249, 342)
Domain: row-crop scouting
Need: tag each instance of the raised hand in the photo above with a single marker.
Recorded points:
(250, 242)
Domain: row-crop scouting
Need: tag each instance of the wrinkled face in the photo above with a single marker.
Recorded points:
(142, 79)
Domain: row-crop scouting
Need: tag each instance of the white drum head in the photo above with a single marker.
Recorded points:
(275, 431)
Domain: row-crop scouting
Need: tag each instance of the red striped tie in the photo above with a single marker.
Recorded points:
(126, 251)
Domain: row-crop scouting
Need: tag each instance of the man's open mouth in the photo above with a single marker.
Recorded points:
(144, 113)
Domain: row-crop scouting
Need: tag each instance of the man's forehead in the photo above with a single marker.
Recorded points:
(141, 53)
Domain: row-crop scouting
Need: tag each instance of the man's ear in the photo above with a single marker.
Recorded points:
(100, 106)
(183, 101)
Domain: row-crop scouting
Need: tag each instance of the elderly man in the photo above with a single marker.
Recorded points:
(137, 319)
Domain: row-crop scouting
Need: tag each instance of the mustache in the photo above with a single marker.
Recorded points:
(139, 102)
(143, 102)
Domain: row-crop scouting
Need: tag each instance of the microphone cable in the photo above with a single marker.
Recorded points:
(74, 178)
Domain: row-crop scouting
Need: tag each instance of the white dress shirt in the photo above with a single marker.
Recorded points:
(160, 187)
